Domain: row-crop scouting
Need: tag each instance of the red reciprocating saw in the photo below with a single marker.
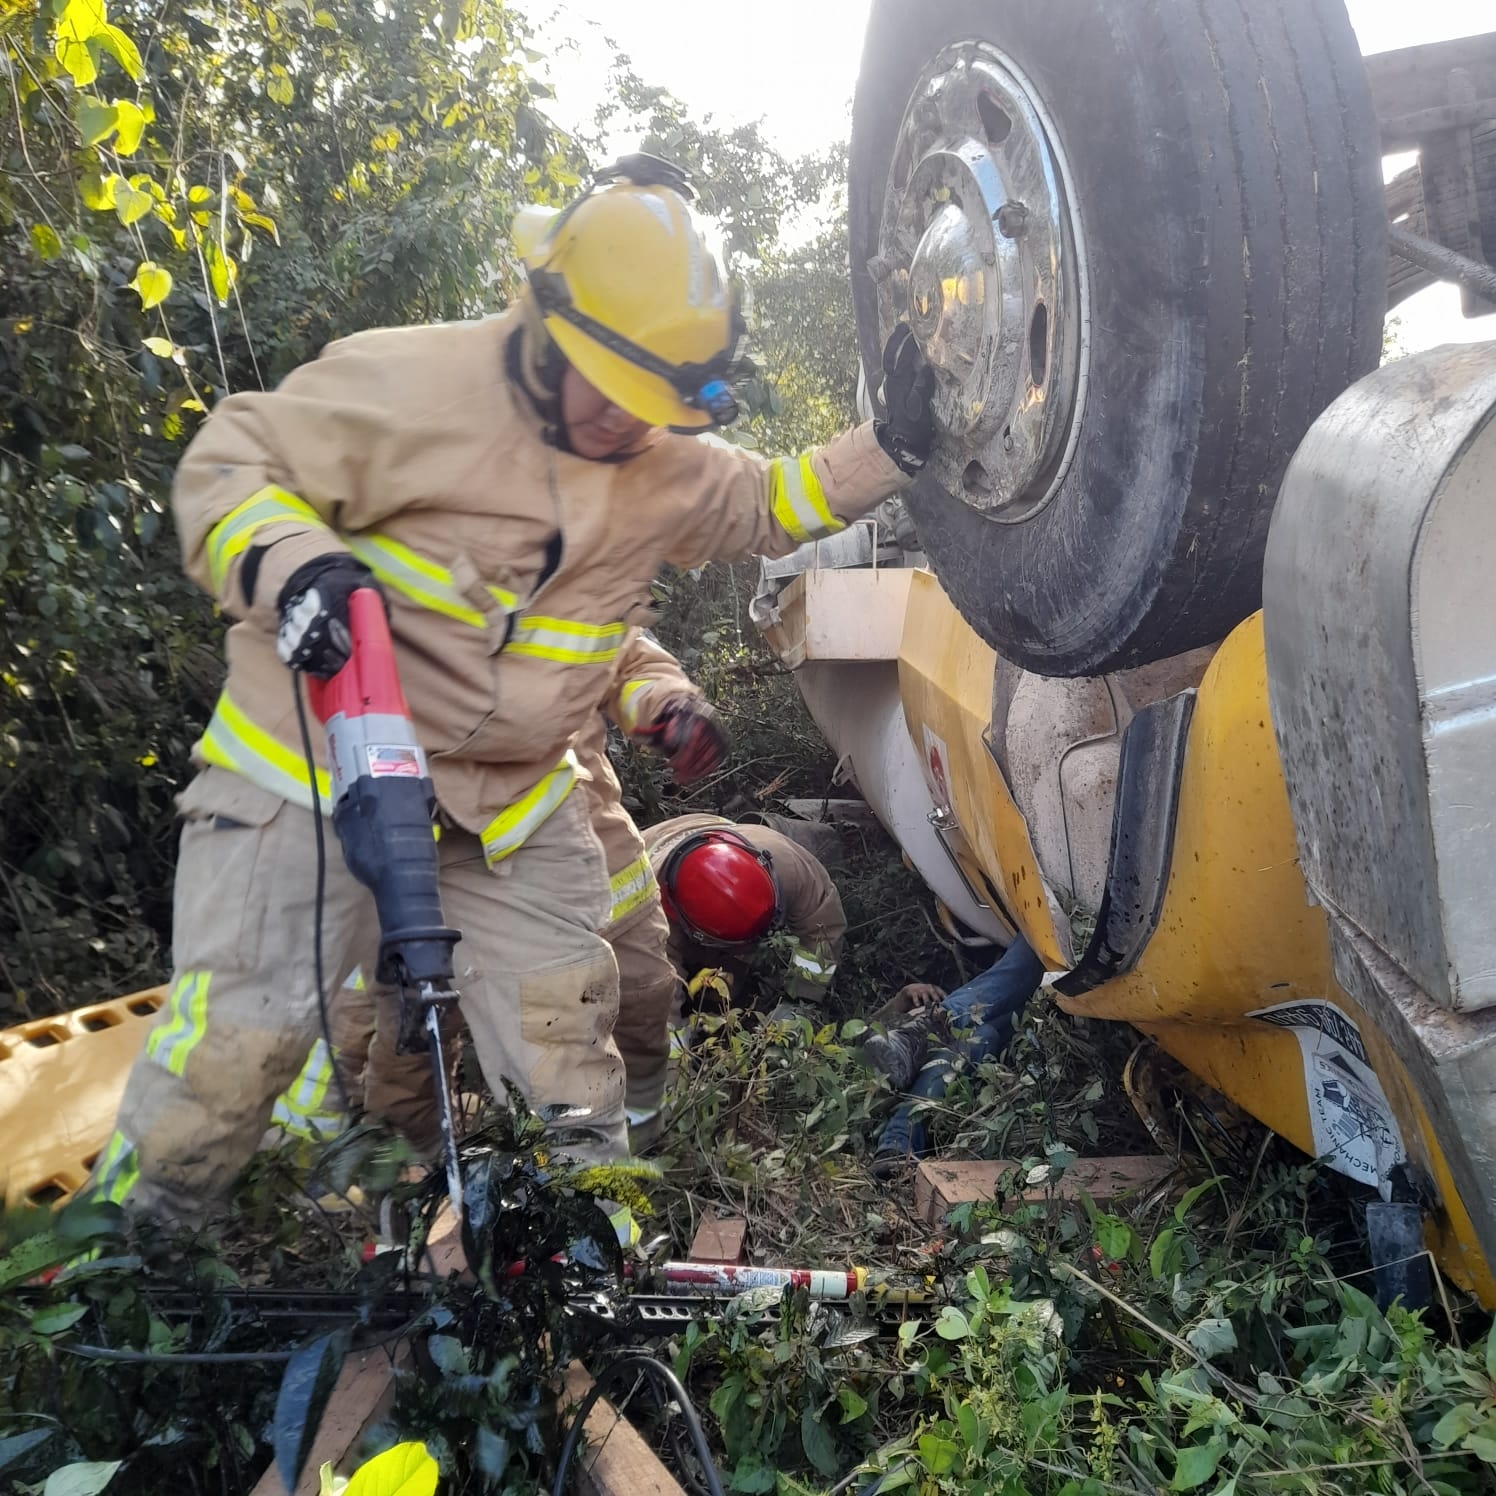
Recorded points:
(383, 804)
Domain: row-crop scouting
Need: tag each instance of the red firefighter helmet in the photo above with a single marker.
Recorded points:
(720, 889)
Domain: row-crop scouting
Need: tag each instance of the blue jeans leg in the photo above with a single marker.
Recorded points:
(986, 1007)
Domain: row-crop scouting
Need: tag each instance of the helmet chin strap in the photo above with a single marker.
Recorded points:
(537, 366)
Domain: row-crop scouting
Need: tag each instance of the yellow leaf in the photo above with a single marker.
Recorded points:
(97, 192)
(152, 283)
(119, 46)
(280, 90)
(131, 205)
(45, 241)
(260, 221)
(130, 123)
(325, 19)
(96, 120)
(222, 272)
(330, 1484)
(148, 761)
(199, 194)
(405, 1470)
(386, 140)
(80, 20)
(161, 347)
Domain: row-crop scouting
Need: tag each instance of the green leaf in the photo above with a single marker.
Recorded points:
(853, 1404)
(131, 205)
(130, 122)
(405, 1470)
(152, 283)
(1166, 1255)
(1196, 1465)
(819, 1446)
(80, 20)
(221, 272)
(58, 1318)
(952, 1324)
(119, 46)
(1115, 1237)
(449, 1355)
(86, 1479)
(1491, 1354)
(45, 241)
(96, 119)
(971, 1430)
(1455, 1424)
(37, 1253)
(1482, 1442)
(304, 1391)
(1213, 1337)
(938, 1455)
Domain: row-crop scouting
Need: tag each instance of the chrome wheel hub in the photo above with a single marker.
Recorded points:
(980, 251)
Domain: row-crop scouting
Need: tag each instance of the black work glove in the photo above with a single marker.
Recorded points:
(691, 736)
(908, 388)
(314, 636)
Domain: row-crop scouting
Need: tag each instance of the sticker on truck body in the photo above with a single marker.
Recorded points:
(1350, 1119)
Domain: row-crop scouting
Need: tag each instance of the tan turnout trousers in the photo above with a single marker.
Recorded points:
(538, 984)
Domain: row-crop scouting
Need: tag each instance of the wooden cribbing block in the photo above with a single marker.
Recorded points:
(722, 1240)
(616, 1460)
(940, 1185)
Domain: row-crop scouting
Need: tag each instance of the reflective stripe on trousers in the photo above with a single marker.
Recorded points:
(632, 888)
(181, 1028)
(798, 500)
(302, 1108)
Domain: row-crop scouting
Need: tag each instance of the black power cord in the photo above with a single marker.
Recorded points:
(621, 1370)
(319, 901)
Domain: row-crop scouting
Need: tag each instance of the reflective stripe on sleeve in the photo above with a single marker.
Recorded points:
(798, 500)
(514, 826)
(809, 967)
(632, 887)
(181, 1029)
(234, 742)
(231, 536)
(628, 705)
(566, 642)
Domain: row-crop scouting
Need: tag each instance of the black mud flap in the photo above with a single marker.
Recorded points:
(1137, 875)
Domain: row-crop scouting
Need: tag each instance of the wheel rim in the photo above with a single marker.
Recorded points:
(980, 250)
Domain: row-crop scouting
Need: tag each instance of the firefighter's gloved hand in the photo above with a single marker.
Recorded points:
(314, 636)
(691, 736)
(908, 432)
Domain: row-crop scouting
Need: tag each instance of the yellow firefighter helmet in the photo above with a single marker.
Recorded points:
(633, 297)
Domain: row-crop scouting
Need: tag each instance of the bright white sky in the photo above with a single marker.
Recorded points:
(793, 64)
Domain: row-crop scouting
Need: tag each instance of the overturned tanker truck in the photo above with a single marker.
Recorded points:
(1180, 658)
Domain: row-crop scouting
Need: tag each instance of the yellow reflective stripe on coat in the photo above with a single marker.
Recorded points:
(809, 967)
(117, 1170)
(799, 501)
(625, 1227)
(270, 505)
(513, 827)
(302, 1109)
(180, 1029)
(565, 641)
(233, 741)
(424, 582)
(632, 887)
(628, 711)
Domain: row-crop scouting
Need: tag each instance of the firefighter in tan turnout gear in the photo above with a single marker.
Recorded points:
(511, 486)
(652, 700)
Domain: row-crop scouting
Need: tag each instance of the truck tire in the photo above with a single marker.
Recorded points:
(1216, 208)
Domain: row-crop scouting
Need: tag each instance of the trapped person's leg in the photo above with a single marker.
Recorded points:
(987, 1007)
(539, 985)
(650, 993)
(242, 1014)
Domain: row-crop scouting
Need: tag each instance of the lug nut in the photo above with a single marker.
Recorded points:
(1012, 220)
